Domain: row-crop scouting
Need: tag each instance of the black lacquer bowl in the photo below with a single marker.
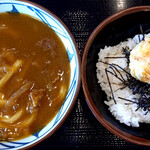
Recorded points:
(116, 28)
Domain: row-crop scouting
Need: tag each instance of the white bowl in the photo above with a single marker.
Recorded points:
(64, 34)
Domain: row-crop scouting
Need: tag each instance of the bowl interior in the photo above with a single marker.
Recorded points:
(112, 34)
(56, 24)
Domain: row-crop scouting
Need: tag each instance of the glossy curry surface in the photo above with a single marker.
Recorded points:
(34, 75)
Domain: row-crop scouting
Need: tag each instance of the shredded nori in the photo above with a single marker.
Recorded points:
(136, 86)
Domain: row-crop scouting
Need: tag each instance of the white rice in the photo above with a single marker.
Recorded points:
(124, 113)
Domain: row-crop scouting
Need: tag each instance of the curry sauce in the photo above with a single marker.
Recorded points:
(34, 75)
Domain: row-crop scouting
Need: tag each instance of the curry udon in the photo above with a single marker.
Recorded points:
(34, 75)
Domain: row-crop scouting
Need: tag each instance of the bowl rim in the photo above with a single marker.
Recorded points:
(90, 103)
(79, 71)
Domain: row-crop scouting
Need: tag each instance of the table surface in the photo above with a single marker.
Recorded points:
(81, 130)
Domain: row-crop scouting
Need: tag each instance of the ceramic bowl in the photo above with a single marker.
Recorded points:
(66, 37)
(116, 28)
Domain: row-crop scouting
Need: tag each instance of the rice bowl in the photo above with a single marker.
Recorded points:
(113, 30)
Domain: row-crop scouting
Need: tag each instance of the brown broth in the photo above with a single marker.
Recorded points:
(44, 65)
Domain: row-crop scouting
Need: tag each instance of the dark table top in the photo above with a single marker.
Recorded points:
(81, 130)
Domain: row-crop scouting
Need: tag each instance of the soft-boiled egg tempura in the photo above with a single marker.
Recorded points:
(140, 61)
